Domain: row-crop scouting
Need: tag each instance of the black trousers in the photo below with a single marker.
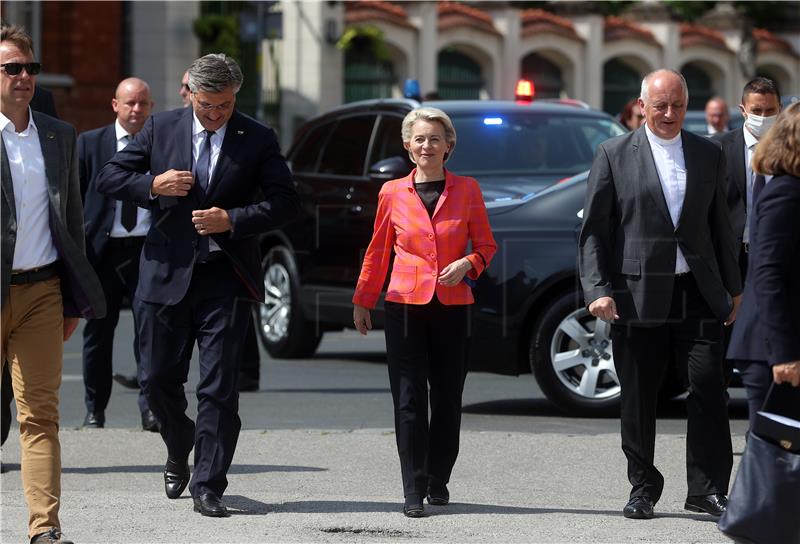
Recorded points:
(251, 359)
(691, 340)
(118, 271)
(215, 315)
(426, 345)
(756, 378)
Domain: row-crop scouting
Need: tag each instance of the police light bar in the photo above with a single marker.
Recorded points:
(524, 91)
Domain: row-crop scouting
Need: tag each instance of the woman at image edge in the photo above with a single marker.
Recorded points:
(427, 218)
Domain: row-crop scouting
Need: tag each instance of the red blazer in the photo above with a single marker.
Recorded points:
(423, 246)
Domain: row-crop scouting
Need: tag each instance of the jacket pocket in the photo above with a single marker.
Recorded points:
(403, 280)
(631, 267)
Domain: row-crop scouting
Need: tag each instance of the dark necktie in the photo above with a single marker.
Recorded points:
(758, 184)
(201, 168)
(203, 163)
(129, 209)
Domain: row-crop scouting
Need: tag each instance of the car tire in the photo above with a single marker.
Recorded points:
(284, 330)
(570, 355)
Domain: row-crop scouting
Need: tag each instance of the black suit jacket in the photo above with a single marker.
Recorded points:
(628, 242)
(95, 148)
(43, 102)
(249, 161)
(80, 289)
(767, 324)
(732, 143)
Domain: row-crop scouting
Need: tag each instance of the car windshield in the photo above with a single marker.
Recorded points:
(514, 144)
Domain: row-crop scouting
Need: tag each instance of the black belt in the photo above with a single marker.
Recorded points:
(213, 257)
(35, 274)
(127, 241)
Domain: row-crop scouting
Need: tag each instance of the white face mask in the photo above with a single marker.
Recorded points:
(759, 125)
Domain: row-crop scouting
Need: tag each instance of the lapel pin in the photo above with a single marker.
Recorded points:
(239, 132)
(51, 135)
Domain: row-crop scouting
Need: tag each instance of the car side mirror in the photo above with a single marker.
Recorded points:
(390, 168)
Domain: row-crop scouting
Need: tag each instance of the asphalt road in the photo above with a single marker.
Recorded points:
(345, 386)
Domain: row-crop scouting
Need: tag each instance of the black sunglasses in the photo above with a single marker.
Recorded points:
(15, 68)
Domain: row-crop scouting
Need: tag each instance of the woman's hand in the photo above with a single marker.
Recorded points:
(787, 372)
(454, 272)
(361, 319)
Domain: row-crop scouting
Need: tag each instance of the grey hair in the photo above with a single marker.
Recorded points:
(431, 115)
(214, 73)
(646, 82)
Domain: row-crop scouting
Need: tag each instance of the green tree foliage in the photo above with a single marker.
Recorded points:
(218, 34)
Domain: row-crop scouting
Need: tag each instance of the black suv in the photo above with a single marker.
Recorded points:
(528, 313)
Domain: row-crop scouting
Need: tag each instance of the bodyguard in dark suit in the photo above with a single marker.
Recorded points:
(765, 336)
(115, 233)
(760, 106)
(47, 283)
(658, 261)
(201, 265)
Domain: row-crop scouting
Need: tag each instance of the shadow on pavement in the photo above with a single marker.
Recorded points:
(356, 356)
(244, 506)
(333, 390)
(235, 469)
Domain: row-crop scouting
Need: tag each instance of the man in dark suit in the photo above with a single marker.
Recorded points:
(760, 106)
(115, 233)
(658, 261)
(42, 102)
(47, 283)
(200, 266)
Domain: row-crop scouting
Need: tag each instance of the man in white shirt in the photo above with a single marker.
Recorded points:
(115, 233)
(717, 116)
(658, 262)
(47, 283)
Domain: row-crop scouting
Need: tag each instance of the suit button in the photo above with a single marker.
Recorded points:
(433, 255)
(430, 236)
(434, 273)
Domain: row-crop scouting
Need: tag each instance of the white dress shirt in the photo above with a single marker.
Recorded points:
(216, 146)
(671, 167)
(142, 215)
(34, 245)
(750, 143)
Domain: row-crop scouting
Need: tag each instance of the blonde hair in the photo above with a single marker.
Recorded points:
(777, 152)
(432, 115)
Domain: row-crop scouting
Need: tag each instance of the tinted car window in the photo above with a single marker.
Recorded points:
(304, 159)
(528, 144)
(388, 142)
(346, 150)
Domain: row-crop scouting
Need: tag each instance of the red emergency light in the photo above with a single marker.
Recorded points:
(525, 91)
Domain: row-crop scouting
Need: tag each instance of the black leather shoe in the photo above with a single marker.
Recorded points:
(639, 508)
(129, 382)
(413, 508)
(208, 504)
(176, 477)
(53, 536)
(714, 504)
(95, 420)
(438, 495)
(247, 383)
(149, 422)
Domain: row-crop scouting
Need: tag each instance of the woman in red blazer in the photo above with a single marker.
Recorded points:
(427, 219)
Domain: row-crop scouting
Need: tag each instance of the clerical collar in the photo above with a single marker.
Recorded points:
(661, 141)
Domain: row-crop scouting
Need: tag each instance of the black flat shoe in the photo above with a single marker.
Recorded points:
(128, 382)
(715, 504)
(176, 477)
(639, 508)
(94, 420)
(413, 507)
(53, 536)
(208, 504)
(438, 495)
(149, 422)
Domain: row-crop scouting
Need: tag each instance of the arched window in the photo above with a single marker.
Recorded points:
(700, 87)
(621, 83)
(459, 76)
(365, 75)
(546, 76)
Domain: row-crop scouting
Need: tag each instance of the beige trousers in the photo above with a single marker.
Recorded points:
(32, 332)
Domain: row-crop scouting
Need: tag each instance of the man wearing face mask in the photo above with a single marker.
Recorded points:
(760, 105)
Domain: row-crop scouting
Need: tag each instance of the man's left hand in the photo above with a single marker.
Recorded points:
(70, 324)
(211, 221)
(787, 373)
(732, 317)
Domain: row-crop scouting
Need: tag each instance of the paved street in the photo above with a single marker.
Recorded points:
(316, 462)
